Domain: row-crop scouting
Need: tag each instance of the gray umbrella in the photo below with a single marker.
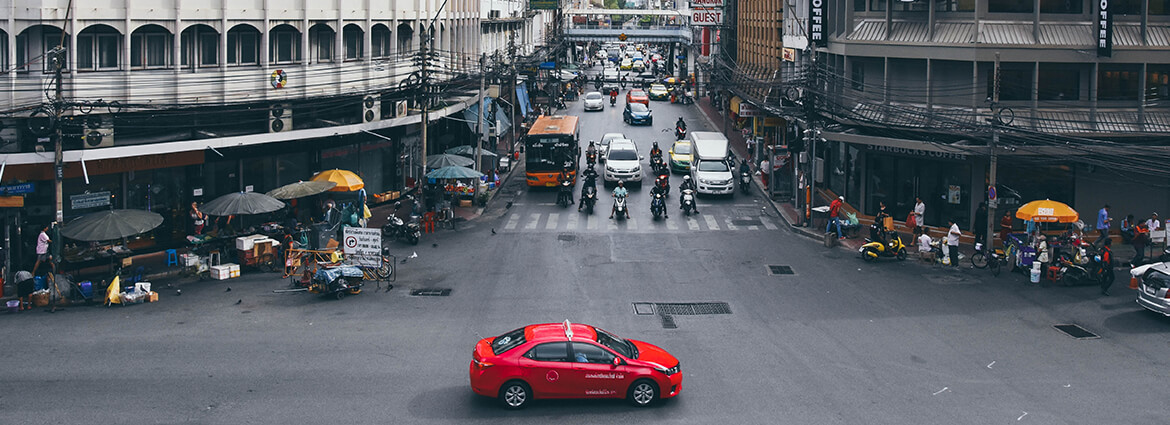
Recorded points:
(301, 189)
(110, 225)
(454, 173)
(469, 151)
(242, 203)
(448, 160)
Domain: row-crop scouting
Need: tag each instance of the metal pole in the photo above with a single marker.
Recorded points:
(58, 157)
(991, 180)
(479, 121)
(425, 116)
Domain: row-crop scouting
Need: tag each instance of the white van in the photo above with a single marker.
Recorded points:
(709, 164)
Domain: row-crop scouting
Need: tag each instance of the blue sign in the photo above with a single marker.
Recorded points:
(18, 189)
(548, 65)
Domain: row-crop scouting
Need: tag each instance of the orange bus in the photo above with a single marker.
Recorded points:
(552, 142)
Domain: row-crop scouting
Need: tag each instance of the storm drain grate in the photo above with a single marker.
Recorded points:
(430, 292)
(778, 270)
(566, 237)
(747, 222)
(668, 322)
(643, 309)
(1076, 331)
(693, 309)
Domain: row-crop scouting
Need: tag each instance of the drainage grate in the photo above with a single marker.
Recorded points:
(747, 222)
(566, 237)
(778, 270)
(643, 309)
(668, 322)
(692, 309)
(430, 292)
(1076, 331)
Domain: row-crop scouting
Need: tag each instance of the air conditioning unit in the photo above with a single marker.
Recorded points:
(371, 108)
(400, 109)
(279, 118)
(98, 132)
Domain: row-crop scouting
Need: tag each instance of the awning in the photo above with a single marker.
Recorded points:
(735, 101)
(504, 120)
(472, 113)
(522, 94)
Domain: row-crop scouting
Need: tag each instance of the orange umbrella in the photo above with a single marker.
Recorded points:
(1047, 211)
(346, 181)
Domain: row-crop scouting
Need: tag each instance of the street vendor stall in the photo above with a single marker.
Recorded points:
(111, 227)
(246, 203)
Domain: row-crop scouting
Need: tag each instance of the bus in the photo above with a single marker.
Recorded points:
(550, 143)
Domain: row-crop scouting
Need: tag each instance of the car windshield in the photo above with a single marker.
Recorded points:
(508, 341)
(593, 96)
(682, 149)
(638, 107)
(623, 155)
(658, 87)
(623, 347)
(713, 166)
(637, 93)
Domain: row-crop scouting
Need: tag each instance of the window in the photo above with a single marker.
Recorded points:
(1009, 6)
(956, 6)
(508, 341)
(1117, 82)
(1015, 82)
(200, 45)
(858, 5)
(380, 39)
(1157, 83)
(97, 51)
(549, 352)
(1125, 7)
(857, 76)
(4, 51)
(1061, 6)
(1159, 7)
(149, 47)
(353, 42)
(588, 353)
(321, 42)
(622, 346)
(880, 6)
(1059, 82)
(33, 44)
(284, 45)
(243, 46)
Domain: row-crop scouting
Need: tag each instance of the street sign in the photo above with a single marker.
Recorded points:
(18, 189)
(548, 65)
(991, 193)
(697, 4)
(709, 17)
(90, 200)
(364, 245)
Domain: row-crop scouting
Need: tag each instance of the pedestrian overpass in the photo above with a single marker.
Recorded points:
(639, 26)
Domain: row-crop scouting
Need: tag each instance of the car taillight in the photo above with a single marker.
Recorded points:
(482, 364)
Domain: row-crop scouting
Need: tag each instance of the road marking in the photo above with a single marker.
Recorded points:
(753, 227)
(591, 222)
(671, 225)
(513, 221)
(553, 218)
(692, 224)
(712, 223)
(731, 224)
(572, 224)
(533, 220)
(767, 223)
(612, 225)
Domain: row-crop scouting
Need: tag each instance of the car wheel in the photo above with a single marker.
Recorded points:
(515, 395)
(642, 393)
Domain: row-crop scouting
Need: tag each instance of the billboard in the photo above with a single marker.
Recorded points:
(698, 4)
(709, 17)
(544, 4)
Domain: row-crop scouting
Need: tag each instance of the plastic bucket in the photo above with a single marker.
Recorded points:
(86, 289)
(1035, 276)
(13, 306)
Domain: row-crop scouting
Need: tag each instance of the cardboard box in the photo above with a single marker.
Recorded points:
(263, 246)
(465, 203)
(221, 272)
(152, 297)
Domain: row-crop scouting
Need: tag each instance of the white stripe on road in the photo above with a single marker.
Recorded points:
(731, 224)
(671, 225)
(553, 218)
(513, 221)
(572, 224)
(612, 225)
(692, 224)
(753, 227)
(533, 220)
(632, 225)
(767, 223)
(591, 222)
(712, 223)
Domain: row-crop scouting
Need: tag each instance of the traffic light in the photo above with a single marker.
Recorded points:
(622, 37)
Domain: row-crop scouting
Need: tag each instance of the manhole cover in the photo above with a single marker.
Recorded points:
(747, 222)
(778, 270)
(691, 309)
(430, 292)
(1076, 331)
(668, 322)
(566, 237)
(643, 309)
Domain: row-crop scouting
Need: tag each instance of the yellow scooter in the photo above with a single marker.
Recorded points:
(873, 250)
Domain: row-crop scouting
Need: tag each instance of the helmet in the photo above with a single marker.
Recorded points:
(621, 183)
(590, 142)
(655, 144)
(687, 177)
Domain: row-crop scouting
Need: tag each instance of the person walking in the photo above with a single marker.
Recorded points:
(765, 171)
(953, 242)
(979, 226)
(751, 148)
(1107, 276)
(1103, 222)
(42, 250)
(919, 211)
(1141, 237)
(835, 216)
(198, 219)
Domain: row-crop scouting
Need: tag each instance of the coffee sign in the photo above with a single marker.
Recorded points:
(816, 22)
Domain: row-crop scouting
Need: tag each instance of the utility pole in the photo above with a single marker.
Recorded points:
(58, 58)
(479, 121)
(515, 97)
(425, 41)
(995, 121)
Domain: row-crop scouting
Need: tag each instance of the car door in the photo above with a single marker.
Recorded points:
(594, 374)
(545, 367)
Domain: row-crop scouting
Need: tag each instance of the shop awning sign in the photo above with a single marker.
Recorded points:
(708, 17)
(90, 200)
(363, 245)
(747, 110)
(18, 189)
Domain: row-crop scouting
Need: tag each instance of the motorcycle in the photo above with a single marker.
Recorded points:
(663, 182)
(680, 133)
(612, 99)
(872, 250)
(620, 210)
(565, 194)
(657, 206)
(588, 198)
(745, 182)
(688, 201)
(396, 228)
(590, 157)
(1072, 273)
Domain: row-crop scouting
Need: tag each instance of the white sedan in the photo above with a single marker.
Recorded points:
(594, 101)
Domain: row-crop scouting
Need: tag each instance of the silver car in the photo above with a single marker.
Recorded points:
(1153, 287)
(594, 101)
(603, 147)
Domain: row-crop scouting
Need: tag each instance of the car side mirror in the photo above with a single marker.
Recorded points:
(640, 157)
(617, 361)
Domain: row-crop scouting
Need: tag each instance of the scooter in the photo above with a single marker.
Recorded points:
(620, 210)
(612, 99)
(680, 133)
(872, 250)
(688, 202)
(588, 198)
(657, 206)
(745, 182)
(590, 157)
(396, 228)
(565, 194)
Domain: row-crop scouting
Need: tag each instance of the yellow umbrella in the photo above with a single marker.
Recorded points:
(1047, 211)
(346, 181)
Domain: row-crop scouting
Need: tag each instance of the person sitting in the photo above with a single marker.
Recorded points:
(657, 190)
(591, 151)
(655, 151)
(688, 184)
(1127, 229)
(619, 192)
(562, 178)
(680, 123)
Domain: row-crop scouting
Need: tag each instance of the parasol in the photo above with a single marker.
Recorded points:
(448, 160)
(1047, 211)
(242, 203)
(469, 150)
(346, 181)
(454, 173)
(301, 189)
(110, 225)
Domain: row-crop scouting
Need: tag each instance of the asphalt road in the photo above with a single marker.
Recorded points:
(838, 342)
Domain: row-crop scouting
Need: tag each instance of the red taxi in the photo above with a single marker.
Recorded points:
(638, 96)
(564, 360)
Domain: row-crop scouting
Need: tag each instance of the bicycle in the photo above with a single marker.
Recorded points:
(982, 258)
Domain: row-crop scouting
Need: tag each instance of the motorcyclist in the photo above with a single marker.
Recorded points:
(612, 96)
(590, 176)
(680, 124)
(659, 191)
(744, 167)
(687, 183)
(562, 178)
(591, 151)
(623, 81)
(619, 192)
(655, 151)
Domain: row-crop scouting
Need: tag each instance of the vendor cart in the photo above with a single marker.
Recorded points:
(337, 281)
(258, 251)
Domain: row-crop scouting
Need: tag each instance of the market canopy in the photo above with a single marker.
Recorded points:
(454, 173)
(110, 225)
(448, 160)
(301, 189)
(469, 151)
(346, 181)
(242, 203)
(1047, 211)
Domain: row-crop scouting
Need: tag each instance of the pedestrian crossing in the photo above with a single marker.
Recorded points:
(599, 221)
